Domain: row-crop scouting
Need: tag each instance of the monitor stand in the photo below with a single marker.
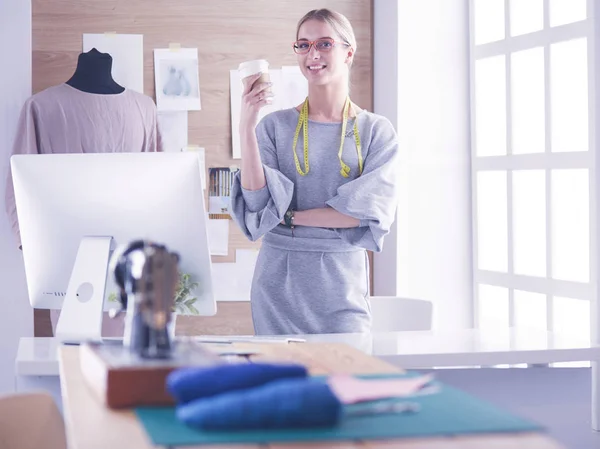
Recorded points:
(81, 314)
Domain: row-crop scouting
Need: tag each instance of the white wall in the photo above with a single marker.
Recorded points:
(16, 316)
(385, 102)
(433, 234)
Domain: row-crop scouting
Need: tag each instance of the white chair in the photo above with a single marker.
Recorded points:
(31, 421)
(392, 313)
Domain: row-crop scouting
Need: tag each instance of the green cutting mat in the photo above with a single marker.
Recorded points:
(448, 412)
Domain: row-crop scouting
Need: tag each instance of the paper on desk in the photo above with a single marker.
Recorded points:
(218, 237)
(231, 339)
(173, 127)
(350, 390)
(289, 88)
(176, 79)
(127, 51)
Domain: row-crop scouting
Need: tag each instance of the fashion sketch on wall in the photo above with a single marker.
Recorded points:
(176, 78)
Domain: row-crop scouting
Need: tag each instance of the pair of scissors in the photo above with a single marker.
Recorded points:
(385, 407)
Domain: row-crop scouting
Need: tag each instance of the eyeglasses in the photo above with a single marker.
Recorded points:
(323, 45)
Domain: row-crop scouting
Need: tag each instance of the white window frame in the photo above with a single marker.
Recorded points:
(547, 161)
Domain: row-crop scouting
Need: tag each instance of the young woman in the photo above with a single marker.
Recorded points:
(319, 183)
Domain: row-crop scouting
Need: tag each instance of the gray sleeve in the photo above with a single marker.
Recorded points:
(258, 211)
(372, 198)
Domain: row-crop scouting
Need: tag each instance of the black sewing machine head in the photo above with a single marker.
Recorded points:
(147, 276)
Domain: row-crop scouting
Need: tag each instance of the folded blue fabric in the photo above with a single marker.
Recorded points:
(187, 384)
(280, 404)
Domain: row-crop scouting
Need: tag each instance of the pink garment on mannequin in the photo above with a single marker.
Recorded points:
(62, 119)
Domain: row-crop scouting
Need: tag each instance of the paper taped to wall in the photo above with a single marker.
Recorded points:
(173, 126)
(218, 237)
(176, 79)
(202, 159)
(233, 281)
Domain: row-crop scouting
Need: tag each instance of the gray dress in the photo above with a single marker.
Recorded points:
(317, 281)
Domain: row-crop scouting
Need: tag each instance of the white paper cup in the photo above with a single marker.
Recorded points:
(250, 68)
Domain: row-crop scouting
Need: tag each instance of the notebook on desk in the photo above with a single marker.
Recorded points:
(246, 339)
(448, 412)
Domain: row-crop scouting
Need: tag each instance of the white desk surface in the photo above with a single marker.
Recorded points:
(422, 349)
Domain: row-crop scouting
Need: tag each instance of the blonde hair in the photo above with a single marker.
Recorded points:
(340, 24)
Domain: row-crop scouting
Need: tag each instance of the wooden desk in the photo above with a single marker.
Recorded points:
(92, 426)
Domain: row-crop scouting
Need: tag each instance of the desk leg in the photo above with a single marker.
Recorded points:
(595, 373)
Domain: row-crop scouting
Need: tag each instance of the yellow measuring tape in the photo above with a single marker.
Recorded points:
(303, 123)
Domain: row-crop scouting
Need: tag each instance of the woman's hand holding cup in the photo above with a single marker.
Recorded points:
(256, 94)
(257, 91)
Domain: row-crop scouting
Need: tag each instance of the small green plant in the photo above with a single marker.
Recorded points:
(184, 301)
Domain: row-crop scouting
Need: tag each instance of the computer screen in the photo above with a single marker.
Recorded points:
(63, 198)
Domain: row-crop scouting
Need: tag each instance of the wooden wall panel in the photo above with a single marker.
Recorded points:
(226, 32)
(232, 318)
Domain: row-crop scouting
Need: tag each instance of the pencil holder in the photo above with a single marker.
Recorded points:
(219, 193)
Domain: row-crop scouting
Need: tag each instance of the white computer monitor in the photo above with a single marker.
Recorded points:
(75, 208)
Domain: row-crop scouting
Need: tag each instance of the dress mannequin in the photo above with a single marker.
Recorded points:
(93, 74)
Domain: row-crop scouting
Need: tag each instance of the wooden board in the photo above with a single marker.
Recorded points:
(91, 426)
(232, 318)
(121, 380)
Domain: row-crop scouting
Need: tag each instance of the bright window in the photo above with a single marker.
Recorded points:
(532, 164)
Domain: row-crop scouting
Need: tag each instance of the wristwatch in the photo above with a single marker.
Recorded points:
(288, 218)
